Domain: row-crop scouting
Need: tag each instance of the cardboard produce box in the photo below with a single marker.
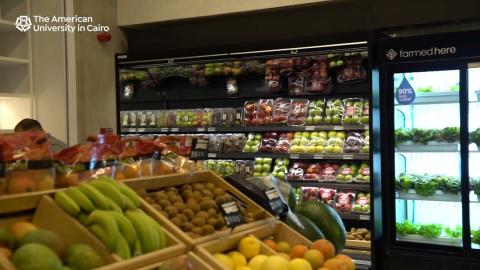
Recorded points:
(178, 181)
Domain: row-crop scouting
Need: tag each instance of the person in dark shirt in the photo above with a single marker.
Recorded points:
(28, 124)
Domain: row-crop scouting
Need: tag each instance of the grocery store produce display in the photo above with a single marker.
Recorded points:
(423, 136)
(29, 247)
(196, 208)
(262, 112)
(433, 232)
(427, 185)
(111, 211)
(274, 247)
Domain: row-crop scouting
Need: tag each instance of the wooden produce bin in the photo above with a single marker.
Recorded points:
(194, 262)
(48, 215)
(225, 244)
(160, 182)
(277, 230)
(358, 244)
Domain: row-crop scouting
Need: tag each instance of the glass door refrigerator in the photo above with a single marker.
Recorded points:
(428, 119)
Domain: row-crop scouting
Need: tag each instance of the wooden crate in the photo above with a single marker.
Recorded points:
(49, 216)
(155, 183)
(358, 244)
(225, 244)
(22, 202)
(279, 231)
(194, 261)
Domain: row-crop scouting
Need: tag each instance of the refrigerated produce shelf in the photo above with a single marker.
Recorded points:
(354, 216)
(433, 241)
(330, 185)
(242, 129)
(436, 197)
(290, 156)
(429, 147)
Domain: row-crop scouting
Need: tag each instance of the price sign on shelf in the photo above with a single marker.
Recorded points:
(337, 127)
(212, 155)
(318, 156)
(211, 129)
(175, 129)
(200, 129)
(309, 128)
(231, 214)
(364, 217)
(164, 130)
(274, 200)
(294, 156)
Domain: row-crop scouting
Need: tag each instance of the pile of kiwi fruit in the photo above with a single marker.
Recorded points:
(195, 208)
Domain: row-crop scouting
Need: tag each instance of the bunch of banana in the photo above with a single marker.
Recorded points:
(110, 210)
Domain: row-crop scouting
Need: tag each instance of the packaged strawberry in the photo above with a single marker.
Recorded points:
(344, 200)
(296, 171)
(26, 162)
(327, 195)
(310, 193)
(312, 172)
(362, 203)
(281, 110)
(298, 112)
(329, 172)
(284, 142)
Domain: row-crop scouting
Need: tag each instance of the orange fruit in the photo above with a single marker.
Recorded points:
(271, 244)
(298, 251)
(119, 176)
(335, 264)
(323, 268)
(284, 255)
(326, 247)
(66, 179)
(347, 260)
(314, 257)
(130, 171)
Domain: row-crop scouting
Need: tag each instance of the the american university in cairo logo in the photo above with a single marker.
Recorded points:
(23, 23)
(391, 54)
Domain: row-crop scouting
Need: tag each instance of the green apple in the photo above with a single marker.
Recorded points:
(366, 208)
(257, 174)
(322, 134)
(329, 149)
(254, 149)
(340, 177)
(366, 178)
(366, 149)
(355, 120)
(247, 148)
(347, 120)
(311, 149)
(329, 111)
(297, 135)
(258, 160)
(266, 168)
(306, 134)
(258, 168)
(314, 134)
(332, 134)
(304, 141)
(336, 120)
(267, 160)
(265, 174)
(365, 119)
(339, 63)
(337, 102)
(357, 208)
(363, 165)
(319, 149)
(337, 149)
(332, 64)
(296, 141)
(294, 149)
(317, 120)
(340, 135)
(286, 161)
(359, 177)
(348, 177)
(302, 148)
(256, 142)
(327, 120)
(275, 174)
(281, 175)
(258, 136)
(309, 121)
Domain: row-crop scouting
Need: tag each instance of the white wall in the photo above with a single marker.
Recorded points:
(49, 77)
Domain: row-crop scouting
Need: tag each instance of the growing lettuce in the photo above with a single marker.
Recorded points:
(454, 233)
(430, 230)
(407, 228)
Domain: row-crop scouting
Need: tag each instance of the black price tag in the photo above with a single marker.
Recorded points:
(274, 200)
(232, 215)
(200, 147)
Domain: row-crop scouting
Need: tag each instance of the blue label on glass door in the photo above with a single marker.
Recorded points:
(405, 94)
